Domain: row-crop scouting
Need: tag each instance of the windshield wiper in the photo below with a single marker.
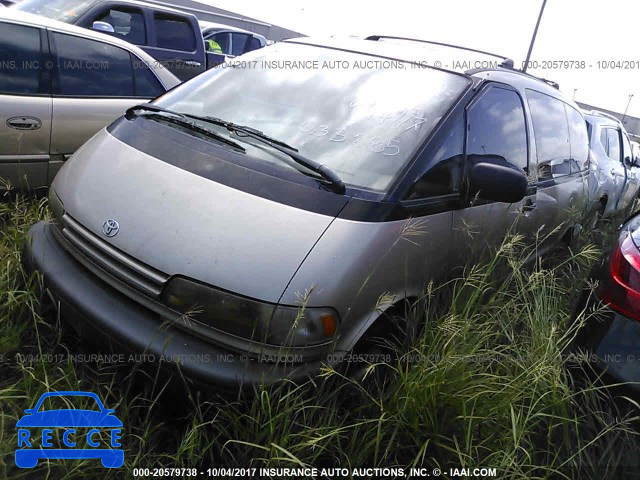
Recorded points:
(336, 183)
(183, 121)
(234, 127)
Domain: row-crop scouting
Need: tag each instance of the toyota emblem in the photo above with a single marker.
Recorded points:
(110, 228)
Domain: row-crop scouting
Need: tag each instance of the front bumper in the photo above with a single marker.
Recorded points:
(94, 308)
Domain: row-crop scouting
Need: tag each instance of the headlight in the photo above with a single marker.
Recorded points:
(248, 318)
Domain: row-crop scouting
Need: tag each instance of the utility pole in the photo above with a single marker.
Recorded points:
(535, 34)
(627, 109)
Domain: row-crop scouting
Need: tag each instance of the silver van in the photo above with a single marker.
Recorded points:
(614, 181)
(59, 85)
(256, 223)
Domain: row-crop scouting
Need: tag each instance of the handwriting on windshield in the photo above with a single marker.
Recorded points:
(389, 148)
(405, 120)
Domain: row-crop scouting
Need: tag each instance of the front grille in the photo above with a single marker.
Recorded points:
(116, 263)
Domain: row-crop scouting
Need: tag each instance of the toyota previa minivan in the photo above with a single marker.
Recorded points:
(287, 203)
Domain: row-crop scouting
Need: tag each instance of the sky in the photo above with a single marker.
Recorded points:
(588, 31)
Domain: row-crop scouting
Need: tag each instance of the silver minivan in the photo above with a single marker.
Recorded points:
(614, 180)
(256, 223)
(59, 85)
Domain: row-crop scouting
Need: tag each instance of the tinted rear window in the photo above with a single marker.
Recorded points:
(19, 59)
(254, 44)
(239, 43)
(146, 82)
(92, 68)
(175, 33)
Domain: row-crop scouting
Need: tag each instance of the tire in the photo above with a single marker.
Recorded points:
(596, 220)
(372, 361)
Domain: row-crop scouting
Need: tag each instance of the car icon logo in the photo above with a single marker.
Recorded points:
(110, 228)
(69, 433)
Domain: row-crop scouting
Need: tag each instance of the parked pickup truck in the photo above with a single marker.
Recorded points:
(170, 36)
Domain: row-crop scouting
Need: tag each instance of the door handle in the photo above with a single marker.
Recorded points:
(24, 123)
(192, 63)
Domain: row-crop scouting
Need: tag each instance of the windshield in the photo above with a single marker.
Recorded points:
(358, 115)
(63, 10)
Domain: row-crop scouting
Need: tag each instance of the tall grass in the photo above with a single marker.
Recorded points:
(485, 383)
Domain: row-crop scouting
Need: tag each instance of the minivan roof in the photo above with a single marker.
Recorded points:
(413, 51)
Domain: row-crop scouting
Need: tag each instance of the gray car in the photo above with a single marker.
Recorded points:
(262, 230)
(59, 85)
(613, 181)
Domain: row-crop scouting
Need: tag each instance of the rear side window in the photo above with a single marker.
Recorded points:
(579, 140)
(174, 33)
(603, 139)
(496, 126)
(239, 43)
(20, 56)
(627, 152)
(92, 68)
(146, 83)
(551, 132)
(127, 23)
(613, 139)
(223, 39)
(254, 44)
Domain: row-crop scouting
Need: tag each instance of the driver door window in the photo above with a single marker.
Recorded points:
(128, 24)
(223, 39)
(496, 126)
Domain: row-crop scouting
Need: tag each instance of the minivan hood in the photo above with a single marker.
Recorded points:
(183, 224)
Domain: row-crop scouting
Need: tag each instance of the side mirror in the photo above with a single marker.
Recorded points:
(29, 411)
(491, 177)
(104, 27)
